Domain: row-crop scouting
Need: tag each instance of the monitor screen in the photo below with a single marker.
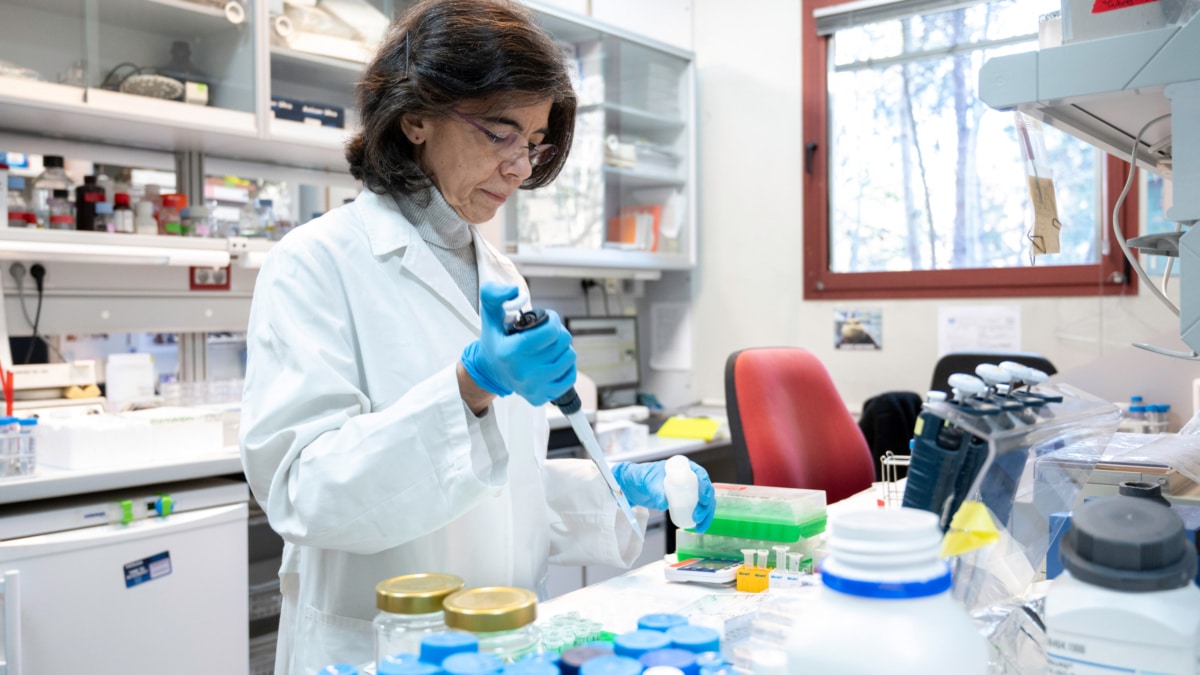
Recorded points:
(606, 348)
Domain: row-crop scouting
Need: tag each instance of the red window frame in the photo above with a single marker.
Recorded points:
(1111, 276)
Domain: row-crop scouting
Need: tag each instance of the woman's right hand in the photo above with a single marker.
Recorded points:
(537, 364)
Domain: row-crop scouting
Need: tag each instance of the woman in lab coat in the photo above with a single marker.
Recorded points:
(378, 430)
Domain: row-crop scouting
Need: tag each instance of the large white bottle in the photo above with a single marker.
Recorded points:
(884, 605)
(1126, 600)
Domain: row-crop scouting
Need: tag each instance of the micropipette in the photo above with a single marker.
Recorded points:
(572, 408)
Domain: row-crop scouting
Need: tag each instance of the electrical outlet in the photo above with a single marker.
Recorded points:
(208, 278)
(612, 286)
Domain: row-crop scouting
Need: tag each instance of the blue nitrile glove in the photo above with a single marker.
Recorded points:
(643, 486)
(538, 364)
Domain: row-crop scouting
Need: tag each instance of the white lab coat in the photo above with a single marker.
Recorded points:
(356, 442)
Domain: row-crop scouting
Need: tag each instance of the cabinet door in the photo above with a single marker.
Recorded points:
(624, 198)
(108, 600)
(149, 67)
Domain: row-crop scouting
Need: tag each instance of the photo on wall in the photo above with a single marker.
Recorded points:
(858, 328)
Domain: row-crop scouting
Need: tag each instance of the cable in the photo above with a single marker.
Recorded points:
(1116, 219)
(586, 285)
(38, 272)
(1166, 277)
(17, 270)
(604, 290)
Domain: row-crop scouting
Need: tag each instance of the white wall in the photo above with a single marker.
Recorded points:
(748, 288)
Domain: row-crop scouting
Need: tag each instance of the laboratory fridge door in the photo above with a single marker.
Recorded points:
(161, 595)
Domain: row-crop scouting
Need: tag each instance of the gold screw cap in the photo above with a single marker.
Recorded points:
(490, 609)
(415, 593)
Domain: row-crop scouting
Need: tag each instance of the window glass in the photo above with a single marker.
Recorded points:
(923, 175)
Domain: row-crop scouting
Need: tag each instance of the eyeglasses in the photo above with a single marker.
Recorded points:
(509, 146)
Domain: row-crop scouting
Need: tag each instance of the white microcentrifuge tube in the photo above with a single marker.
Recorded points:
(780, 557)
(764, 557)
(748, 557)
(793, 562)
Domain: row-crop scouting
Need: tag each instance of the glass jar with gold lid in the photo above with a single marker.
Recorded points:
(410, 606)
(501, 617)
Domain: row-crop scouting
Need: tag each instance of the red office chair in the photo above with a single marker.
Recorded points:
(789, 426)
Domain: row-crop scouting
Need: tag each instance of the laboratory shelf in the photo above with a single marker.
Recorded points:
(49, 482)
(627, 120)
(641, 178)
(315, 70)
(568, 262)
(104, 247)
(178, 17)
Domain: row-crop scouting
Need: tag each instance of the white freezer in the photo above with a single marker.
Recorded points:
(157, 595)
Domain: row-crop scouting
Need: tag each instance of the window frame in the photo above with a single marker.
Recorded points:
(1110, 276)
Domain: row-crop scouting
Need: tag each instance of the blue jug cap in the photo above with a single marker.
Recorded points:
(531, 667)
(710, 660)
(695, 638)
(472, 663)
(612, 665)
(676, 658)
(574, 658)
(553, 658)
(405, 664)
(27, 421)
(635, 643)
(437, 647)
(661, 622)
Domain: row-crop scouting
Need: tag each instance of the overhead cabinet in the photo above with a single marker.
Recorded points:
(273, 82)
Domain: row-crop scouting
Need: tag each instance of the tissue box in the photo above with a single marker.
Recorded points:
(91, 441)
(621, 436)
(182, 431)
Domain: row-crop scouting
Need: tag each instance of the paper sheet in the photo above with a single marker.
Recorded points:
(979, 328)
(670, 336)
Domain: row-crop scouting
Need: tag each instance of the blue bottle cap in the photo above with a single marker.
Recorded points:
(612, 665)
(676, 658)
(661, 622)
(339, 669)
(635, 643)
(405, 664)
(28, 422)
(437, 647)
(472, 663)
(574, 658)
(695, 638)
(531, 667)
(553, 658)
(710, 659)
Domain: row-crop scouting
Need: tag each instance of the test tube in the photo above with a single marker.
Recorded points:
(764, 557)
(780, 557)
(793, 562)
(748, 557)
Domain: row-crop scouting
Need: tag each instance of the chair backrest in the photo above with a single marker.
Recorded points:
(789, 426)
(965, 362)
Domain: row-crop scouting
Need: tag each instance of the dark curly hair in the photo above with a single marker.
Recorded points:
(440, 53)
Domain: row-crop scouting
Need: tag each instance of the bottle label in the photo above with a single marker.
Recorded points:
(1072, 654)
